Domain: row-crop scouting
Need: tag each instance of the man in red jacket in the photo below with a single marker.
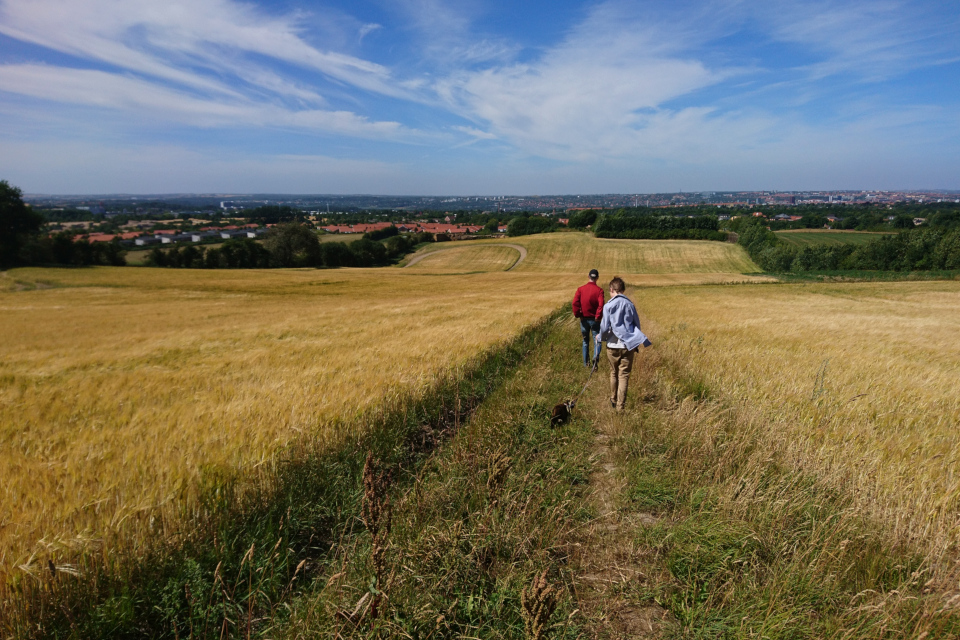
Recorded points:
(588, 307)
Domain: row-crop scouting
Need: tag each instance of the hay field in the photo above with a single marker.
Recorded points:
(121, 385)
(568, 251)
(469, 258)
(855, 384)
(573, 252)
(811, 237)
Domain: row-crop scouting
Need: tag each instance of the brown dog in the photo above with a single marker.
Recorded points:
(561, 413)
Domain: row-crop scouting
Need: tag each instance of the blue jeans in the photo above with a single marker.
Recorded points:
(586, 326)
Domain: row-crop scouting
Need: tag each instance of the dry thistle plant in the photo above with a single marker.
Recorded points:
(377, 516)
(538, 602)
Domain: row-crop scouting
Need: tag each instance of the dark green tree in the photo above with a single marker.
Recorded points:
(903, 222)
(274, 214)
(293, 245)
(18, 225)
(582, 219)
(367, 253)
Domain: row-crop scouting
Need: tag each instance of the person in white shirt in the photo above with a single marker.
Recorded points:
(620, 328)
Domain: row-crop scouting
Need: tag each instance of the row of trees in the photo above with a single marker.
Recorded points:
(62, 249)
(916, 250)
(660, 227)
(528, 225)
(290, 245)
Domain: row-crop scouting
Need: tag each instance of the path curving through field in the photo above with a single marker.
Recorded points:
(520, 249)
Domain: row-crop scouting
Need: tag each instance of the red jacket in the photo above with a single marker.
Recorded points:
(588, 301)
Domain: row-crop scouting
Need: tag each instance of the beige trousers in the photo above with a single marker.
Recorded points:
(621, 362)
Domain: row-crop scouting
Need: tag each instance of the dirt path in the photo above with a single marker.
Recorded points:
(520, 249)
(610, 562)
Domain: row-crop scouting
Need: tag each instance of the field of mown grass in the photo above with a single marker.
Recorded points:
(573, 252)
(811, 237)
(120, 386)
(852, 384)
(468, 258)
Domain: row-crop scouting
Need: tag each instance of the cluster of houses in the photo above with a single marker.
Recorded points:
(407, 227)
(170, 236)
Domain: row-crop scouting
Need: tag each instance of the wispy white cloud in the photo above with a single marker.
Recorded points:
(133, 95)
(476, 133)
(875, 39)
(610, 88)
(153, 38)
(198, 62)
(588, 96)
(448, 38)
(367, 29)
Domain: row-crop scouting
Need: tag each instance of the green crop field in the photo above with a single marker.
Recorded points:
(810, 237)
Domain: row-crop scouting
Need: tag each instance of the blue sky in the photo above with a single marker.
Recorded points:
(478, 96)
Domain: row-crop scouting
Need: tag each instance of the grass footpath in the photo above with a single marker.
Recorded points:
(482, 535)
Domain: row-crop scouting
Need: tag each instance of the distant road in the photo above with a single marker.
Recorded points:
(522, 250)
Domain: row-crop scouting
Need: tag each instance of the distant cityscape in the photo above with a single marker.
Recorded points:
(117, 204)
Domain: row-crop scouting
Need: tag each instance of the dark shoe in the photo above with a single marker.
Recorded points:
(613, 404)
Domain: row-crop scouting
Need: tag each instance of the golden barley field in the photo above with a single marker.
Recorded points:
(855, 384)
(120, 385)
(573, 252)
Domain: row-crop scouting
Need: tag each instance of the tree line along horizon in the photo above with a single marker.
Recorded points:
(293, 242)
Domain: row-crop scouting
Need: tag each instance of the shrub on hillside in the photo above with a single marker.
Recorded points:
(382, 234)
(293, 245)
(528, 225)
(582, 219)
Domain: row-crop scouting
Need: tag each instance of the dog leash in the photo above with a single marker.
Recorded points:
(596, 363)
